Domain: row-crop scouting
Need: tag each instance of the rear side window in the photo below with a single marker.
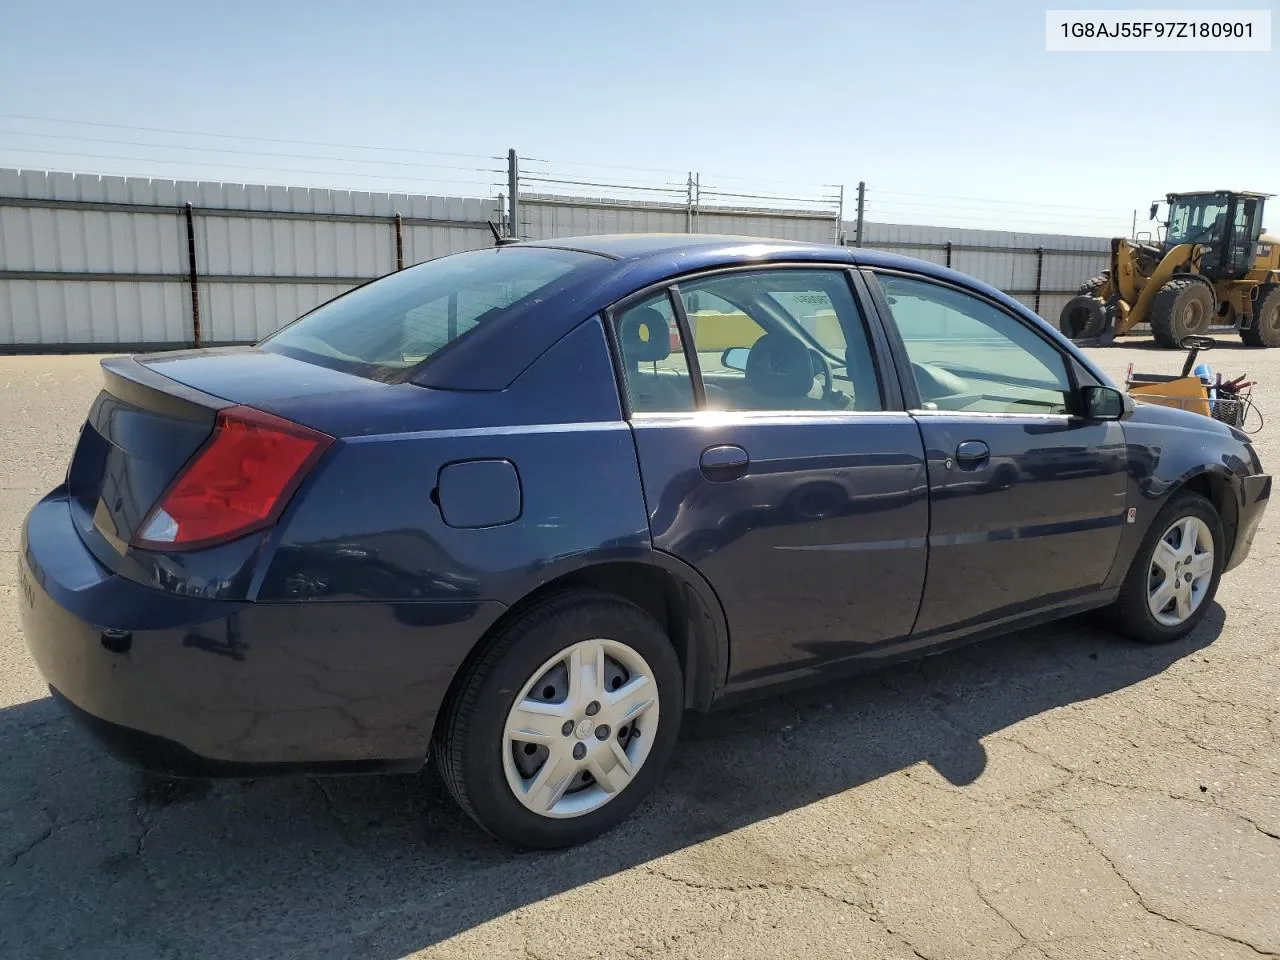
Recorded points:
(385, 329)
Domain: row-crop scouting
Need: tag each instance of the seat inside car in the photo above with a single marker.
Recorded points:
(781, 368)
(644, 337)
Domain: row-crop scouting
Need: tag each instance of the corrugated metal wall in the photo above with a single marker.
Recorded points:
(1011, 262)
(264, 255)
(89, 261)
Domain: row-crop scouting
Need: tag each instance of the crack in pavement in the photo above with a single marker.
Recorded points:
(973, 882)
(139, 848)
(1142, 902)
(865, 909)
(45, 834)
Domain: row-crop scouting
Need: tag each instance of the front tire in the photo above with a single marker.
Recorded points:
(565, 722)
(1182, 308)
(1265, 331)
(1174, 577)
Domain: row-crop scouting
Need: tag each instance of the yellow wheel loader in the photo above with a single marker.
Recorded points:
(1210, 265)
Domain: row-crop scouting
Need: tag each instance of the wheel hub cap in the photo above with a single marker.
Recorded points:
(1181, 571)
(580, 729)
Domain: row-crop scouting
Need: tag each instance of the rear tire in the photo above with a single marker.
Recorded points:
(1094, 285)
(1265, 331)
(1182, 308)
(1082, 318)
(483, 743)
(1161, 561)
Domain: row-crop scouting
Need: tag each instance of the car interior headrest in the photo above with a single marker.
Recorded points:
(779, 366)
(644, 336)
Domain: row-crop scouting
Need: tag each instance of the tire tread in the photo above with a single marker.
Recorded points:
(1163, 310)
(1255, 336)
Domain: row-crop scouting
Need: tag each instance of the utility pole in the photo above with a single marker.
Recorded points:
(1133, 235)
(688, 204)
(513, 188)
(840, 218)
(697, 198)
(862, 209)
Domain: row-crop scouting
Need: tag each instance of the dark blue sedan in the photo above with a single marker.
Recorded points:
(519, 509)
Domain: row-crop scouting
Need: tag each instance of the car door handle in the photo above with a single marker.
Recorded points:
(971, 453)
(724, 462)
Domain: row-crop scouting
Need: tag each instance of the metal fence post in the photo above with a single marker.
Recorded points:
(948, 253)
(840, 218)
(513, 188)
(697, 199)
(399, 242)
(193, 279)
(688, 204)
(862, 207)
(1039, 274)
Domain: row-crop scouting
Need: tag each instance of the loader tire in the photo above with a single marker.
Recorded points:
(1182, 308)
(1092, 287)
(1082, 318)
(1265, 331)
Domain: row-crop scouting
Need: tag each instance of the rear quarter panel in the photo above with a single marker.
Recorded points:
(368, 525)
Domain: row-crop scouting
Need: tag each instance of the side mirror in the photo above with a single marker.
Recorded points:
(1155, 207)
(735, 358)
(1105, 403)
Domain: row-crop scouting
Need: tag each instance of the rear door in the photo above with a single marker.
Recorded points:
(1027, 500)
(777, 459)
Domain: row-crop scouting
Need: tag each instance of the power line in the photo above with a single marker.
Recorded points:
(249, 153)
(1028, 203)
(234, 136)
(983, 211)
(604, 166)
(612, 186)
(670, 171)
(234, 166)
(758, 196)
(985, 222)
(1007, 224)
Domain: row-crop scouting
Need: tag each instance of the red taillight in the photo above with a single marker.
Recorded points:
(238, 482)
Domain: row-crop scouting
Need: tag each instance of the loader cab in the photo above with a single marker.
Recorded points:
(1226, 222)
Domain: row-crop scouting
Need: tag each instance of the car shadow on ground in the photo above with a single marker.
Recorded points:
(101, 861)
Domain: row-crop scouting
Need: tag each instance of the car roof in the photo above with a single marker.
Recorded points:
(492, 355)
(638, 246)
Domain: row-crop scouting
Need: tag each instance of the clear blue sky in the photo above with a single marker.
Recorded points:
(946, 100)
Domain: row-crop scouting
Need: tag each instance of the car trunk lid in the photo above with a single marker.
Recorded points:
(141, 430)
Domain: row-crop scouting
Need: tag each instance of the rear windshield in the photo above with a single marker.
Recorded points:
(385, 329)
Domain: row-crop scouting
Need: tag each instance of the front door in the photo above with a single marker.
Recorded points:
(1027, 501)
(770, 464)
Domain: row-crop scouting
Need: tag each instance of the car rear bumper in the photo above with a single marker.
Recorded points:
(190, 686)
(1255, 494)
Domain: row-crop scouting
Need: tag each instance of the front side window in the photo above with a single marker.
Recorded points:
(968, 355)
(1196, 220)
(387, 328)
